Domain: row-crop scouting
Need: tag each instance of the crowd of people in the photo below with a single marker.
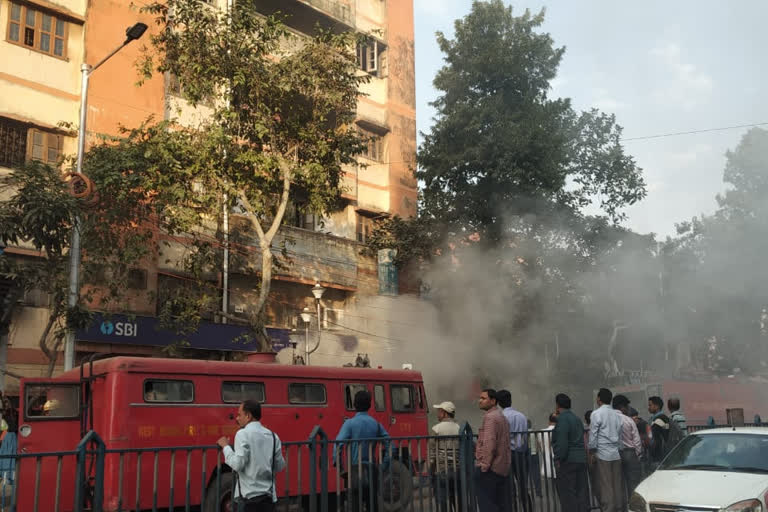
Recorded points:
(606, 458)
(610, 455)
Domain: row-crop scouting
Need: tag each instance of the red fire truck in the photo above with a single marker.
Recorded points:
(135, 403)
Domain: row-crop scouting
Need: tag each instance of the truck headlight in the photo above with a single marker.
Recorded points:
(637, 503)
(746, 506)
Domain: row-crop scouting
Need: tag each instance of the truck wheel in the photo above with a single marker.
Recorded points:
(226, 481)
(396, 487)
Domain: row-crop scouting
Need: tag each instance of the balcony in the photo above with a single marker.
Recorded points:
(304, 15)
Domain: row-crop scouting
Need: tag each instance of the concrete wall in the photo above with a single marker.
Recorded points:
(113, 98)
(401, 103)
(42, 89)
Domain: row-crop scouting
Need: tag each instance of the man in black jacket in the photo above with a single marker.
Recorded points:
(570, 457)
(659, 431)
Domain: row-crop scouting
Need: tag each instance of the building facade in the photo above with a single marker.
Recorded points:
(45, 44)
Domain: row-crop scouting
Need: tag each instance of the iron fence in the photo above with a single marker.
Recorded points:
(417, 473)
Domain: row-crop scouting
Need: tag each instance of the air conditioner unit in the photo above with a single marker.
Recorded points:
(239, 308)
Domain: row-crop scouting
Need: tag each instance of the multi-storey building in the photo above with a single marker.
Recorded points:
(44, 45)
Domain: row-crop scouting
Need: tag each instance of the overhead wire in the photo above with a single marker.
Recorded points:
(691, 132)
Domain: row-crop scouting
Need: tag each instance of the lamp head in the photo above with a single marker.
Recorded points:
(318, 291)
(134, 32)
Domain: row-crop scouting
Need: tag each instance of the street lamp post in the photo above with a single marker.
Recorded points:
(131, 34)
(318, 292)
(306, 317)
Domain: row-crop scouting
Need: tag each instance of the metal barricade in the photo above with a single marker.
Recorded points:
(416, 473)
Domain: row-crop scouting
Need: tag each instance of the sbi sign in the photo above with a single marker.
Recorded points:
(119, 328)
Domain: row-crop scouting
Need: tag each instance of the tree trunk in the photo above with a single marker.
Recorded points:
(52, 361)
(265, 244)
(50, 353)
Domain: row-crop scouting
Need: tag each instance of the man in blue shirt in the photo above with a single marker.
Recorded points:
(363, 476)
(604, 442)
(518, 441)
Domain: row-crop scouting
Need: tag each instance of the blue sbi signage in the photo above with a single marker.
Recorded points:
(145, 330)
(109, 328)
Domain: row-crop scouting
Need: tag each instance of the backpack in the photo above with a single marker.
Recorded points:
(674, 436)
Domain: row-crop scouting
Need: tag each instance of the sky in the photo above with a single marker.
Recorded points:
(662, 67)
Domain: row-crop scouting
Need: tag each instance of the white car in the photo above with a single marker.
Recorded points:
(718, 470)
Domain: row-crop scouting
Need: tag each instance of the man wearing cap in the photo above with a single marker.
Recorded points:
(444, 458)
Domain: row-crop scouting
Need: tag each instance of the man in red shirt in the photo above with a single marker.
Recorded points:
(493, 455)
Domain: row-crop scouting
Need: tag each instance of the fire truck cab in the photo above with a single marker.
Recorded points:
(150, 402)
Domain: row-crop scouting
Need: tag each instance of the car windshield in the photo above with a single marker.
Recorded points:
(721, 452)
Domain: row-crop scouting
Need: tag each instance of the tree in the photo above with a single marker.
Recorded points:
(716, 267)
(500, 147)
(281, 128)
(509, 174)
(116, 234)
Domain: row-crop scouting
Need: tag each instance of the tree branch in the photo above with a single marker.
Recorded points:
(283, 201)
(252, 217)
(234, 318)
(46, 332)
(11, 374)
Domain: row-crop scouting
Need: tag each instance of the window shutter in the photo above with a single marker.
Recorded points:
(372, 48)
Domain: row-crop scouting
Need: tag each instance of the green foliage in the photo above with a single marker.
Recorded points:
(115, 229)
(501, 147)
(508, 175)
(413, 239)
(280, 131)
(716, 266)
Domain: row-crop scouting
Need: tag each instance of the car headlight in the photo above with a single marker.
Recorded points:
(746, 506)
(637, 503)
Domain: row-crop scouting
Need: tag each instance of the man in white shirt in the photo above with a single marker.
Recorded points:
(604, 441)
(444, 458)
(256, 458)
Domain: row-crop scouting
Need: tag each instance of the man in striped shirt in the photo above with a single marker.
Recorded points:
(492, 456)
(630, 448)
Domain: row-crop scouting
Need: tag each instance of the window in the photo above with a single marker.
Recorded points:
(37, 30)
(370, 57)
(168, 391)
(137, 279)
(13, 142)
(52, 401)
(45, 146)
(350, 390)
(374, 149)
(237, 392)
(364, 228)
(19, 142)
(732, 451)
(174, 85)
(36, 298)
(402, 397)
(176, 88)
(306, 393)
(308, 221)
(378, 397)
(332, 318)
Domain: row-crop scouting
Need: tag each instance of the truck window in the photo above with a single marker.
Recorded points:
(169, 391)
(350, 390)
(419, 398)
(378, 397)
(301, 393)
(238, 392)
(58, 401)
(402, 397)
